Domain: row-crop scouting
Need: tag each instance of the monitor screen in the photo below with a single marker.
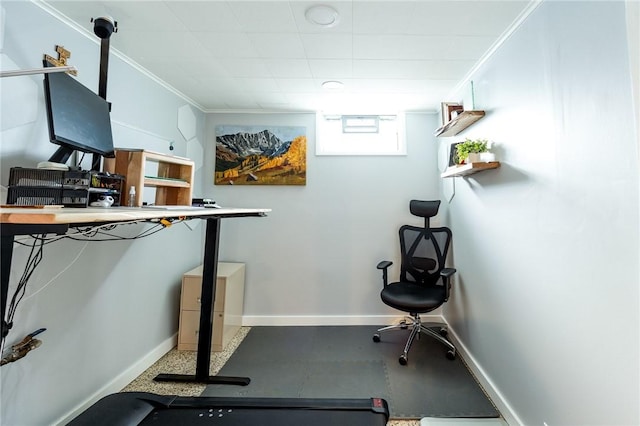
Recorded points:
(78, 118)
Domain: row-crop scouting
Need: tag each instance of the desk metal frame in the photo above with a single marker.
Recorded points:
(18, 221)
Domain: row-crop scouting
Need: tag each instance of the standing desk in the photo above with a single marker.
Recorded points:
(28, 221)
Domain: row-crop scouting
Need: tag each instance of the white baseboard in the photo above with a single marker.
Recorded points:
(495, 395)
(123, 379)
(292, 320)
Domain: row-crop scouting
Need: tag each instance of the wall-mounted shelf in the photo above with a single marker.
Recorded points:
(458, 124)
(469, 169)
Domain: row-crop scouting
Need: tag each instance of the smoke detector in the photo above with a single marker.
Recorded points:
(322, 16)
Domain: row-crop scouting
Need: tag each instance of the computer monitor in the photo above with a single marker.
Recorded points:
(79, 119)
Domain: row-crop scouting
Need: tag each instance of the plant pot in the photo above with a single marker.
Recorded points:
(473, 157)
(487, 157)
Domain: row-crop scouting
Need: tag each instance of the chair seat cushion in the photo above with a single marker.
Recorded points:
(411, 297)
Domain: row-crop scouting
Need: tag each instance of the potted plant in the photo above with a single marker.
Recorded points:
(469, 151)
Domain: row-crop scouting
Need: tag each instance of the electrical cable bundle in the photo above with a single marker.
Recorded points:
(91, 233)
(35, 256)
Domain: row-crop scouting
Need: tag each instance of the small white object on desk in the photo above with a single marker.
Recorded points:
(132, 196)
(103, 201)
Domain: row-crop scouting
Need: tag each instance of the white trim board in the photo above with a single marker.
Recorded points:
(122, 380)
(478, 372)
(309, 320)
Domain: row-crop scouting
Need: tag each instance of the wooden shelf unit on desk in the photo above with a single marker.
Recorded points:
(173, 181)
(469, 169)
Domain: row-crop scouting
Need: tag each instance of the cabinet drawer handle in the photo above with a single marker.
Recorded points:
(198, 300)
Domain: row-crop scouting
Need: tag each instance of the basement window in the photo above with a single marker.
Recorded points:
(360, 134)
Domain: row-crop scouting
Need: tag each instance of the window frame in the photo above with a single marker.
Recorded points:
(395, 147)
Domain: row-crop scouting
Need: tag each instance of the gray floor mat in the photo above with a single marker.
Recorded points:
(344, 362)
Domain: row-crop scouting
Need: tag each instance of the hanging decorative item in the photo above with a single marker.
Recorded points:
(260, 155)
(63, 55)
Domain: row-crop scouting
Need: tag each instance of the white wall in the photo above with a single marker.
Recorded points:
(314, 256)
(106, 305)
(546, 298)
(546, 247)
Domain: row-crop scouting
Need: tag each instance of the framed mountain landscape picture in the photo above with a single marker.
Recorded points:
(260, 155)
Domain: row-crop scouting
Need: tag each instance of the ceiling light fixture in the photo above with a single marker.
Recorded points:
(332, 85)
(322, 16)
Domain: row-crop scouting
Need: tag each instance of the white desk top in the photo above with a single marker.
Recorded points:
(74, 215)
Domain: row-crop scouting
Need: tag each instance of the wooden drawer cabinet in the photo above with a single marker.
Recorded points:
(227, 308)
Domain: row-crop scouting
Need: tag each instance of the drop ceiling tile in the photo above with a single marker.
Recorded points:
(377, 17)
(407, 69)
(226, 45)
(334, 69)
(216, 86)
(277, 45)
(256, 85)
(241, 100)
(143, 16)
(240, 67)
(438, 18)
(396, 86)
(376, 68)
(461, 17)
(306, 101)
(293, 68)
(327, 46)
(203, 67)
(146, 44)
(398, 47)
(208, 16)
(298, 85)
(270, 98)
(264, 16)
(130, 16)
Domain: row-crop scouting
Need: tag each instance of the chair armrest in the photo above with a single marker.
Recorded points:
(446, 275)
(384, 265)
(447, 272)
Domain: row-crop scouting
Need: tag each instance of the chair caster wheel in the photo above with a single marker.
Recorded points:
(451, 355)
(444, 332)
(402, 360)
(376, 338)
(403, 325)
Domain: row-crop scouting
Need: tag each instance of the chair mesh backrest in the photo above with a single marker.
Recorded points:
(424, 252)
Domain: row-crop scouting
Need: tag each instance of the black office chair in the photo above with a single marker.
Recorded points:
(424, 280)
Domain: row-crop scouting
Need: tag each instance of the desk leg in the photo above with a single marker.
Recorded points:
(209, 277)
(6, 253)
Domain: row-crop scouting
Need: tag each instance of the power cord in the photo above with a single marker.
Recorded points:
(91, 233)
